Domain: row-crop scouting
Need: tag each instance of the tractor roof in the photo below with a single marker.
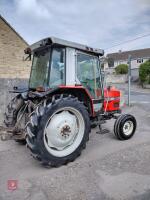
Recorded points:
(54, 40)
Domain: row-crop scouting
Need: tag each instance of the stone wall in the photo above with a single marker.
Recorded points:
(12, 64)
(122, 78)
(112, 78)
(5, 97)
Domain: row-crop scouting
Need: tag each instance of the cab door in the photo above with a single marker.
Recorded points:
(88, 74)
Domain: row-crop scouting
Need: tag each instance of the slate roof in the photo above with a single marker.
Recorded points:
(140, 53)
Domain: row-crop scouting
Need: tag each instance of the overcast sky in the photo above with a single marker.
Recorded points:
(96, 23)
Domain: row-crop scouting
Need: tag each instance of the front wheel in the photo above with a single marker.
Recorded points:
(58, 131)
(125, 126)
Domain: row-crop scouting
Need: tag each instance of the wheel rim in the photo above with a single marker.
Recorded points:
(128, 128)
(64, 131)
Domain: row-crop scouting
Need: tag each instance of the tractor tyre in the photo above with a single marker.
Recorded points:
(11, 114)
(125, 126)
(58, 130)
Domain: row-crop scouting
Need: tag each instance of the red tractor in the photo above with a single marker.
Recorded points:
(64, 99)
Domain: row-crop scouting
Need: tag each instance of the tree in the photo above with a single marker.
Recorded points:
(144, 72)
(122, 69)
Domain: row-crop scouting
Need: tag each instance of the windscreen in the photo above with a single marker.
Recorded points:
(40, 69)
(57, 70)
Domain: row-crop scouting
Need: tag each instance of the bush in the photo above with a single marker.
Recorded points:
(122, 69)
(144, 72)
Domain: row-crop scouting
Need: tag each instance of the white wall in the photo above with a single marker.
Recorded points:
(135, 64)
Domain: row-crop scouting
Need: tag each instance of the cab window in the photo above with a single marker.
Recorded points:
(88, 73)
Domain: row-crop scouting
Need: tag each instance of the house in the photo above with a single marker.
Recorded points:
(137, 57)
(12, 45)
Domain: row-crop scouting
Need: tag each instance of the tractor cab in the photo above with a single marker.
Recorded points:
(59, 62)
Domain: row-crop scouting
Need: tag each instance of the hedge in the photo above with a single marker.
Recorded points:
(144, 72)
(122, 69)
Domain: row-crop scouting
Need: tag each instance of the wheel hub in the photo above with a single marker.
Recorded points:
(128, 127)
(64, 131)
(61, 130)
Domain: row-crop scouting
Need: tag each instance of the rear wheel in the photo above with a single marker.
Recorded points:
(58, 131)
(125, 126)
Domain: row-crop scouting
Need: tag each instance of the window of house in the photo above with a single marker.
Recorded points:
(140, 60)
(110, 62)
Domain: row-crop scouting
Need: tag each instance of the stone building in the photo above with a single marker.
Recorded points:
(14, 70)
(12, 45)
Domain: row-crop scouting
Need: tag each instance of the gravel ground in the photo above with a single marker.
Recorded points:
(107, 170)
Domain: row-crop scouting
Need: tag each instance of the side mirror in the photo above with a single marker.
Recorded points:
(27, 51)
